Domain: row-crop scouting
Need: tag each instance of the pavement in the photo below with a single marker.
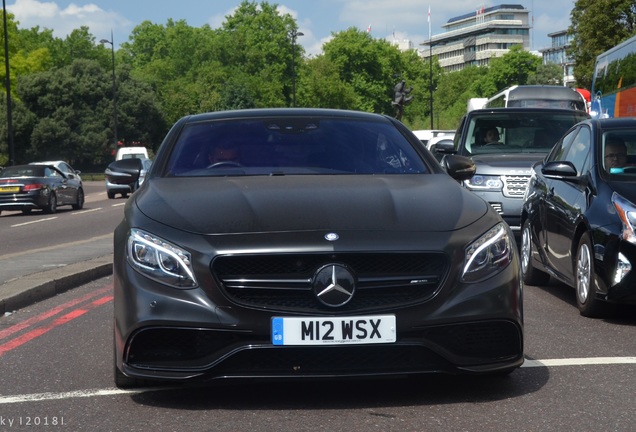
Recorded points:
(26, 290)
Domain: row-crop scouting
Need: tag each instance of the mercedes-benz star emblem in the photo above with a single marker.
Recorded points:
(334, 285)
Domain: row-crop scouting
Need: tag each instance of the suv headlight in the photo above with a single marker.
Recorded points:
(488, 255)
(160, 260)
(484, 182)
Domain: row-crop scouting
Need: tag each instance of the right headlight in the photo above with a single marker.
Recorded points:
(626, 211)
(488, 255)
(160, 260)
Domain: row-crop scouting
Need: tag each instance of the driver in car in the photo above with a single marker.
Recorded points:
(224, 153)
(492, 136)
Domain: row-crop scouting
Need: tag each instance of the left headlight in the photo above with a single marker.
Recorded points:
(488, 255)
(160, 260)
(484, 182)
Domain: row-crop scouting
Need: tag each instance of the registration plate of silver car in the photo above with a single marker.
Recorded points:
(372, 329)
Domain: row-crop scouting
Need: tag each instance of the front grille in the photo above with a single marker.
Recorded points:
(284, 282)
(515, 185)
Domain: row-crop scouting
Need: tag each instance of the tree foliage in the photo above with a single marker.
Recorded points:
(72, 108)
(596, 26)
(512, 68)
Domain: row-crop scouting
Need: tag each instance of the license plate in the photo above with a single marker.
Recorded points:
(333, 330)
(10, 189)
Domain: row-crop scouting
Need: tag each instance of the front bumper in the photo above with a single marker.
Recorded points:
(199, 335)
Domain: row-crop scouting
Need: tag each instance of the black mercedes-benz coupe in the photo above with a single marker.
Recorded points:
(307, 243)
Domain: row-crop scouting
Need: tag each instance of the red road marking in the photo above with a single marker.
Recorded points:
(39, 331)
(48, 314)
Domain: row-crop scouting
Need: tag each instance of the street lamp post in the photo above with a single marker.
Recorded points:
(7, 84)
(294, 34)
(430, 62)
(112, 45)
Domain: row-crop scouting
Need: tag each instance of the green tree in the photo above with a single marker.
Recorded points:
(72, 107)
(256, 51)
(13, 43)
(370, 66)
(596, 26)
(547, 74)
(320, 86)
(512, 68)
(453, 92)
(175, 61)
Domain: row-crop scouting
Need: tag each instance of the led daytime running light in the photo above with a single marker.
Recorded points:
(489, 242)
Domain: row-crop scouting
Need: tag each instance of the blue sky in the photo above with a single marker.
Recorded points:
(317, 19)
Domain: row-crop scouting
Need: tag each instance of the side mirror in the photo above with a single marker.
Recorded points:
(459, 167)
(124, 172)
(559, 169)
(445, 147)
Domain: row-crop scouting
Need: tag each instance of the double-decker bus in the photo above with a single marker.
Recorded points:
(614, 82)
(538, 96)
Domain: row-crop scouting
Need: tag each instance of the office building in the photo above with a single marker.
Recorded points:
(474, 38)
(557, 53)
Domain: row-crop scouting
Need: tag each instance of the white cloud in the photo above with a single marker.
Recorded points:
(34, 13)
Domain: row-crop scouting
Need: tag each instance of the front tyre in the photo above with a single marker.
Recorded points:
(530, 274)
(79, 204)
(587, 302)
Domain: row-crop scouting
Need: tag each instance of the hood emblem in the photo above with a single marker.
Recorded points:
(334, 285)
(332, 236)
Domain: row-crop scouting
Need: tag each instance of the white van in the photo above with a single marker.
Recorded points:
(131, 152)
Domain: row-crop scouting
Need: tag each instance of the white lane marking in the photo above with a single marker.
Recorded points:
(33, 222)
(579, 361)
(37, 397)
(119, 205)
(86, 211)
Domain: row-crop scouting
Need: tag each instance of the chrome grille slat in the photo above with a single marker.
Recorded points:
(283, 282)
(515, 185)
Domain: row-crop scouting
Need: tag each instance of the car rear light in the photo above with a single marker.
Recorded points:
(33, 187)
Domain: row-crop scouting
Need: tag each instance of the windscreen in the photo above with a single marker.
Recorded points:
(548, 103)
(292, 145)
(24, 171)
(519, 132)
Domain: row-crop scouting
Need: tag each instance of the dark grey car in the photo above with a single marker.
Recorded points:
(331, 244)
(44, 187)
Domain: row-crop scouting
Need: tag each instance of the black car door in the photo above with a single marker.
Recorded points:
(544, 191)
(565, 201)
